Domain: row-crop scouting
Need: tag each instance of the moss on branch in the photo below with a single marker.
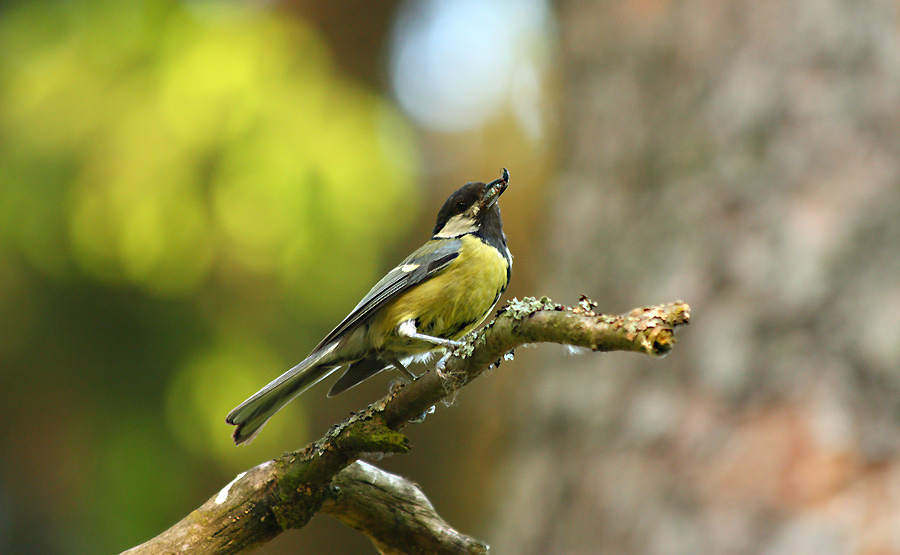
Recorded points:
(288, 491)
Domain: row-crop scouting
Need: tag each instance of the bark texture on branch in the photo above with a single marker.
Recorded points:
(286, 492)
(394, 513)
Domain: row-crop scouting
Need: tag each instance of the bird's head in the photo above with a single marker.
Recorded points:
(467, 209)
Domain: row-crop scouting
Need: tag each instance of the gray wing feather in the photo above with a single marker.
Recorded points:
(252, 414)
(429, 260)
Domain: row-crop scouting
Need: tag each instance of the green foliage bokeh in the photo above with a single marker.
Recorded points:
(172, 177)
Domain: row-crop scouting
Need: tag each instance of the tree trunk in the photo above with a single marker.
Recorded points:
(744, 156)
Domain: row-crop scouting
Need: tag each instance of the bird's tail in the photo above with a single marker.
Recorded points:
(251, 415)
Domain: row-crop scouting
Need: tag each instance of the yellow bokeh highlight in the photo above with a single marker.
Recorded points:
(182, 139)
(211, 383)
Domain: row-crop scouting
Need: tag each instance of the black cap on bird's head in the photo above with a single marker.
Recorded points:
(471, 207)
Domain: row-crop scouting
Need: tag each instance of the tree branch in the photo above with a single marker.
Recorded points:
(286, 492)
(394, 513)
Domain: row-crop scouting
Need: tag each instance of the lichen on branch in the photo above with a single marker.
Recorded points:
(286, 492)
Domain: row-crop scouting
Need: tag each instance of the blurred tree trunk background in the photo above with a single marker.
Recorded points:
(173, 174)
(743, 156)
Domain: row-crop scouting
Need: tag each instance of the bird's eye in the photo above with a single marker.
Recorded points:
(461, 206)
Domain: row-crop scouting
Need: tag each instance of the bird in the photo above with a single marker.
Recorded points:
(431, 300)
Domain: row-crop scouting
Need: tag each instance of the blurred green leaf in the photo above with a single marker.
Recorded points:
(225, 136)
(170, 170)
(211, 383)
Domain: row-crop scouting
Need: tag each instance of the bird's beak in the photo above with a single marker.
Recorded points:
(494, 189)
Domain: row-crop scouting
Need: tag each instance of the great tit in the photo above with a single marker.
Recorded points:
(438, 294)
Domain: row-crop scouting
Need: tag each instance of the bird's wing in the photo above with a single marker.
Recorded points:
(426, 262)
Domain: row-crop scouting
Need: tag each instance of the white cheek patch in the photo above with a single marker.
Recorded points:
(457, 225)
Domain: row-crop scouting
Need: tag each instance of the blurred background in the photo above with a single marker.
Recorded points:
(192, 193)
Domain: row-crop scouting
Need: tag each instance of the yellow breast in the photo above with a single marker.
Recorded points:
(450, 304)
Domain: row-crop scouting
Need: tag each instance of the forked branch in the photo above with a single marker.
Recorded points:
(286, 492)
